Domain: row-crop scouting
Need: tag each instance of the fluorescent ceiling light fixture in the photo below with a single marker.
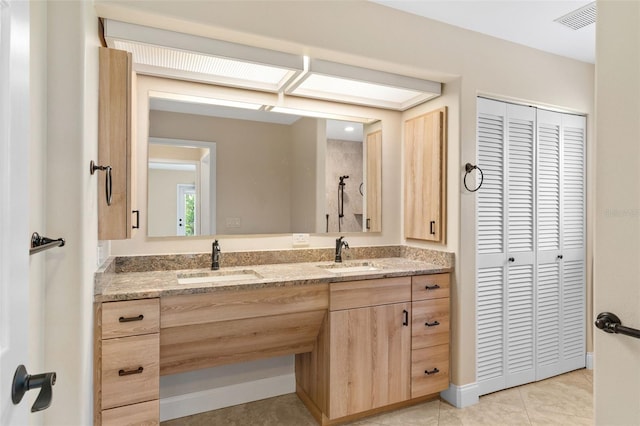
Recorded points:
(176, 167)
(155, 98)
(317, 114)
(171, 54)
(348, 129)
(346, 83)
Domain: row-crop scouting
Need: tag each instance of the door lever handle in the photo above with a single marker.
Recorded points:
(23, 382)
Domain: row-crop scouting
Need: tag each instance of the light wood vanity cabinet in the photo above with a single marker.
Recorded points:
(369, 345)
(226, 327)
(375, 348)
(429, 334)
(361, 346)
(127, 362)
(425, 141)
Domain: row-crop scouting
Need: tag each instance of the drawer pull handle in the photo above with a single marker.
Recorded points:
(431, 287)
(405, 321)
(430, 372)
(139, 370)
(431, 324)
(130, 319)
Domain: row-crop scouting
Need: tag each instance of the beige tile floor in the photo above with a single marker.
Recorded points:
(562, 400)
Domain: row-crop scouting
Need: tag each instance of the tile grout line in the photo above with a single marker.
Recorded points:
(524, 404)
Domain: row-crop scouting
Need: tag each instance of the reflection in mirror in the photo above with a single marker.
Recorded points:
(223, 170)
(184, 166)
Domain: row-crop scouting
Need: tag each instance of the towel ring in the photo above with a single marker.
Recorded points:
(468, 168)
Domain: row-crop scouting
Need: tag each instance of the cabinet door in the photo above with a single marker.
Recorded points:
(114, 145)
(373, 190)
(424, 178)
(370, 358)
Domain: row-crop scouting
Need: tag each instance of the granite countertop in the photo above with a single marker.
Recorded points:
(112, 286)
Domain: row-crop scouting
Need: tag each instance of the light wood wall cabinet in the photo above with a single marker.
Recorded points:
(425, 142)
(127, 362)
(384, 344)
(115, 219)
(373, 190)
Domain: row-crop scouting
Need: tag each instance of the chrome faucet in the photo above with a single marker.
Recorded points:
(339, 245)
(215, 255)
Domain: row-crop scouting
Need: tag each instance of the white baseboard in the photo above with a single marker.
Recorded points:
(461, 396)
(589, 361)
(212, 399)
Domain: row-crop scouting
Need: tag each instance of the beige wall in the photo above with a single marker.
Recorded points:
(470, 64)
(68, 140)
(617, 270)
(37, 195)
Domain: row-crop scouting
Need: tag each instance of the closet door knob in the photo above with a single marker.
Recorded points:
(560, 256)
(511, 259)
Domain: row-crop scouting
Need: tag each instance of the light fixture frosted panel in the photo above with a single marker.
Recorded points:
(360, 89)
(360, 92)
(224, 71)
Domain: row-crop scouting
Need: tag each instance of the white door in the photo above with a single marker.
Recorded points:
(531, 243)
(561, 295)
(506, 236)
(186, 211)
(14, 232)
(617, 211)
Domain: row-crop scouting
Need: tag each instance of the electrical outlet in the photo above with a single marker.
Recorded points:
(233, 222)
(300, 239)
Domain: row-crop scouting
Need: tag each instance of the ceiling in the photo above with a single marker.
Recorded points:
(527, 22)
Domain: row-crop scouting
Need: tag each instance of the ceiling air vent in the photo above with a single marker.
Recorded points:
(579, 18)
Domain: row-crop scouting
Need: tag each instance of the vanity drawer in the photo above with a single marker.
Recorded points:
(130, 318)
(360, 294)
(434, 360)
(434, 286)
(130, 370)
(429, 323)
(145, 413)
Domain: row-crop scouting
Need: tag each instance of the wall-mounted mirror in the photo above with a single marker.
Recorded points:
(229, 170)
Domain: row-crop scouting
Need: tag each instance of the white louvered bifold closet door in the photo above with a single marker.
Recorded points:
(573, 244)
(530, 245)
(549, 231)
(506, 236)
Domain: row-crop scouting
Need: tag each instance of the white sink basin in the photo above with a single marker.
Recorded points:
(217, 277)
(338, 268)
